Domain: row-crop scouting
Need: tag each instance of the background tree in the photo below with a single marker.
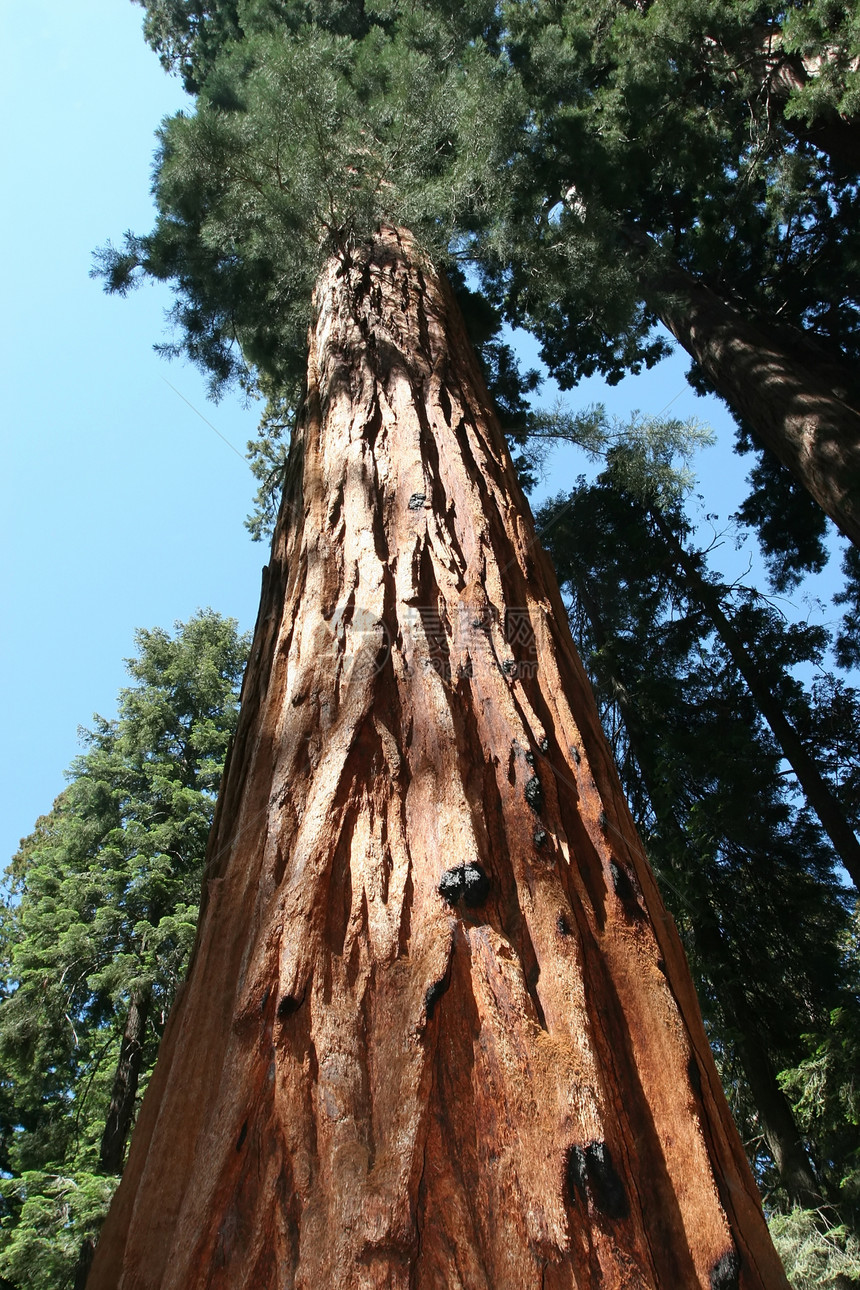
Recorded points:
(97, 928)
(760, 645)
(659, 179)
(747, 873)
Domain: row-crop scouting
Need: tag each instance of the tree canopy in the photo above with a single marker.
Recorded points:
(97, 926)
(308, 132)
(608, 166)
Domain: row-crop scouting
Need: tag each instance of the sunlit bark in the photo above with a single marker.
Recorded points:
(438, 1030)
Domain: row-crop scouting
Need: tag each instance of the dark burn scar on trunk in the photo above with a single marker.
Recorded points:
(451, 885)
(604, 1182)
(243, 1133)
(590, 1175)
(539, 837)
(466, 882)
(694, 1075)
(563, 925)
(575, 1175)
(288, 1005)
(416, 501)
(625, 889)
(434, 994)
(725, 1274)
(534, 794)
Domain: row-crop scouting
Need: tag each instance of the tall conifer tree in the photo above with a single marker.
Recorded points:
(95, 939)
(438, 1028)
(743, 866)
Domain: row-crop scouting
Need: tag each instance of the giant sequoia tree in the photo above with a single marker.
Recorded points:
(438, 1028)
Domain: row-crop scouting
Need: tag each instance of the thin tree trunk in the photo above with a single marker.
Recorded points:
(776, 1117)
(81, 1269)
(424, 1041)
(781, 74)
(815, 788)
(120, 1113)
(792, 407)
(775, 1114)
(124, 1091)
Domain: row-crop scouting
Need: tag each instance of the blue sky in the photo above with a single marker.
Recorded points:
(120, 507)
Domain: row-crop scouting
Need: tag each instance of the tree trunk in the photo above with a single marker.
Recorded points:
(781, 74)
(424, 1042)
(838, 137)
(790, 405)
(783, 1138)
(120, 1113)
(815, 788)
(124, 1091)
(81, 1270)
(780, 1130)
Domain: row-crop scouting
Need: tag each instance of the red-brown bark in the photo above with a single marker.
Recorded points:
(363, 1085)
(777, 1121)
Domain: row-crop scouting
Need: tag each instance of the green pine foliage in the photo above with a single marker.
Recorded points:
(314, 124)
(816, 1254)
(657, 120)
(55, 1213)
(573, 150)
(825, 1086)
(825, 33)
(659, 138)
(791, 527)
(308, 132)
(101, 910)
(848, 640)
